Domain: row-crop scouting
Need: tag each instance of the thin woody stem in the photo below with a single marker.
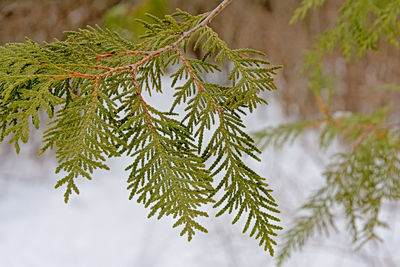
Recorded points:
(144, 104)
(97, 67)
(196, 79)
(338, 123)
(175, 44)
(189, 70)
(152, 54)
(74, 75)
(204, 23)
(96, 87)
(321, 106)
(366, 129)
(141, 53)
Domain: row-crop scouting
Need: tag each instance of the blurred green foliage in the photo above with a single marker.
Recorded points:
(123, 18)
(365, 176)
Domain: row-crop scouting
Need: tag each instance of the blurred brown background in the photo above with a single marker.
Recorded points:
(259, 24)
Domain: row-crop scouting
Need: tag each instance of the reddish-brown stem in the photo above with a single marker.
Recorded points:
(144, 104)
(184, 36)
(74, 75)
(361, 138)
(105, 56)
(96, 87)
(98, 67)
(366, 129)
(134, 66)
(195, 78)
(219, 108)
(321, 106)
(189, 70)
(147, 56)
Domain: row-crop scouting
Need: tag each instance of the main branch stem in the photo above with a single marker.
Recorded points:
(174, 45)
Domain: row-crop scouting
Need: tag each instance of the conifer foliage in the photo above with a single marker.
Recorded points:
(91, 87)
(361, 179)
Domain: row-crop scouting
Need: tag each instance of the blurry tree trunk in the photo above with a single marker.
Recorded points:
(43, 20)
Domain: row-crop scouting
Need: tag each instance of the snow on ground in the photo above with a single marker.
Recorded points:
(102, 228)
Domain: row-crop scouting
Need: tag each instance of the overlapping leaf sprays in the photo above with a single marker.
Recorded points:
(362, 179)
(91, 86)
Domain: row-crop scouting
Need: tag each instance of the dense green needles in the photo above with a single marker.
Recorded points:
(90, 86)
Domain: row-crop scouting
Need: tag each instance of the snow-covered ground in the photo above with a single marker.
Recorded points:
(102, 228)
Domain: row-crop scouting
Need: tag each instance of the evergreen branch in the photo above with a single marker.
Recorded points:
(175, 44)
(238, 178)
(148, 55)
(197, 81)
(95, 80)
(319, 220)
(143, 103)
(305, 6)
(82, 137)
(26, 106)
(177, 182)
(358, 183)
(242, 186)
(359, 28)
(187, 67)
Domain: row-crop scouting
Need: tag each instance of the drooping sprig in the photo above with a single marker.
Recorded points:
(359, 180)
(365, 175)
(93, 86)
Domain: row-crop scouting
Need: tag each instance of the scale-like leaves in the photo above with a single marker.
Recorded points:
(166, 174)
(359, 183)
(243, 189)
(83, 137)
(365, 176)
(93, 82)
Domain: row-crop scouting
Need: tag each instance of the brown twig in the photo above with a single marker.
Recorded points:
(195, 78)
(366, 129)
(189, 70)
(144, 104)
(174, 45)
(379, 131)
(150, 55)
(321, 106)
(74, 75)
(98, 67)
(141, 53)
(96, 87)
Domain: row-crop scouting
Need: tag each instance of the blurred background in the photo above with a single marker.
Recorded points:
(101, 227)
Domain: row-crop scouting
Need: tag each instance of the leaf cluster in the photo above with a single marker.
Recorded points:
(360, 180)
(92, 86)
(360, 27)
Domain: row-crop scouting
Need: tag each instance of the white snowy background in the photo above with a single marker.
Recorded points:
(102, 228)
